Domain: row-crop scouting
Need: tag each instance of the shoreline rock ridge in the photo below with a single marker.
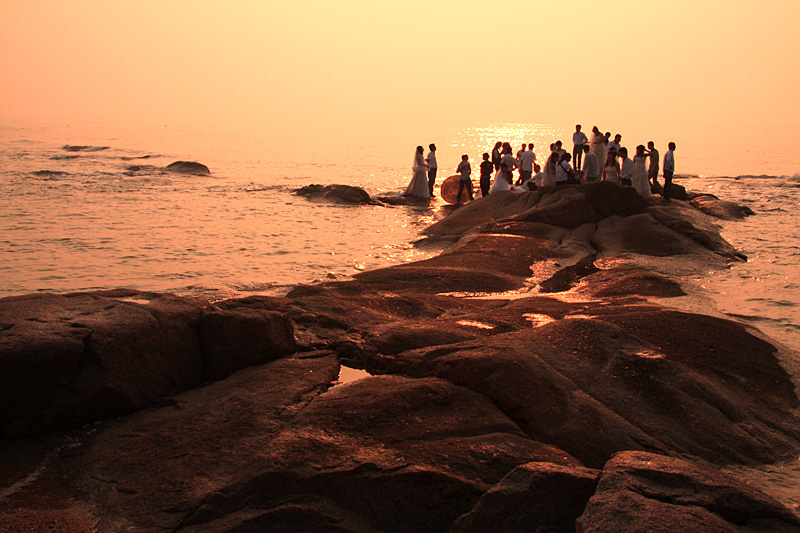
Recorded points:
(545, 371)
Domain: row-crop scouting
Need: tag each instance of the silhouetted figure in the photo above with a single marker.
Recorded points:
(652, 171)
(579, 140)
(432, 167)
(669, 170)
(591, 167)
(464, 180)
(419, 181)
(486, 175)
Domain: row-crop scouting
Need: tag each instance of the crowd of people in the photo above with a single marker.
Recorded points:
(599, 158)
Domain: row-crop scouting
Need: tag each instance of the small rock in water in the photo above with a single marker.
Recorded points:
(188, 167)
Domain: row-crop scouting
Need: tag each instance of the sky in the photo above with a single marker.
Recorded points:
(259, 62)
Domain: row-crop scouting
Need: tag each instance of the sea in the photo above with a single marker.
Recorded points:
(89, 206)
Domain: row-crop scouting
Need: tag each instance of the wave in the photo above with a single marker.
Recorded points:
(83, 148)
(795, 178)
(131, 158)
(49, 173)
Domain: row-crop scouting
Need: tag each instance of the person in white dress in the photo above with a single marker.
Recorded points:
(640, 180)
(611, 169)
(419, 182)
(504, 177)
(502, 180)
(549, 179)
(598, 145)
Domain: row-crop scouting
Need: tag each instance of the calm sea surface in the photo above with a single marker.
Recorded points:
(107, 215)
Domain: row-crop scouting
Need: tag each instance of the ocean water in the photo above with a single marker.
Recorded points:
(90, 206)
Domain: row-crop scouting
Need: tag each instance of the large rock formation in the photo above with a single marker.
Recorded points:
(66, 360)
(497, 402)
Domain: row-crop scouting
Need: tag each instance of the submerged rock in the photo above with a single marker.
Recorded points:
(710, 204)
(188, 167)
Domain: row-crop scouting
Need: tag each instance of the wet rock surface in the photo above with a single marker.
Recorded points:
(534, 376)
(336, 194)
(188, 167)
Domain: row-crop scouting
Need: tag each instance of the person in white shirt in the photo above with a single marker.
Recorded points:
(563, 170)
(579, 140)
(626, 169)
(538, 178)
(464, 181)
(615, 144)
(527, 160)
(432, 167)
(669, 170)
(591, 167)
(519, 154)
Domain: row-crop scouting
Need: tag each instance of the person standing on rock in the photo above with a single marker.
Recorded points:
(432, 168)
(509, 161)
(640, 180)
(591, 167)
(464, 181)
(615, 144)
(611, 168)
(527, 160)
(549, 179)
(496, 156)
(598, 145)
(486, 175)
(579, 140)
(669, 170)
(652, 170)
(626, 168)
(419, 183)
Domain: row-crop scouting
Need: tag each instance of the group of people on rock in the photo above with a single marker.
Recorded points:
(588, 154)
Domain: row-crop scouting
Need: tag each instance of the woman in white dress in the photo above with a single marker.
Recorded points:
(549, 178)
(640, 180)
(419, 183)
(502, 180)
(504, 177)
(611, 169)
(598, 144)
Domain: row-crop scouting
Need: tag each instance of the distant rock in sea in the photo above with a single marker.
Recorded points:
(188, 167)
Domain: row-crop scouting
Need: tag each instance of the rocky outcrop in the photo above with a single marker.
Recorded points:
(66, 360)
(533, 497)
(188, 167)
(708, 203)
(530, 377)
(646, 492)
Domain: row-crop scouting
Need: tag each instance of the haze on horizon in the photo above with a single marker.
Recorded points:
(256, 63)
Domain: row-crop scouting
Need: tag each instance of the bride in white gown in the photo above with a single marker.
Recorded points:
(502, 180)
(419, 183)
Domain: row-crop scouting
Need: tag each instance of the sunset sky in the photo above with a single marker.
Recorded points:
(458, 62)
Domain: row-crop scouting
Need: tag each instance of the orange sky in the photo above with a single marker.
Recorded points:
(459, 62)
